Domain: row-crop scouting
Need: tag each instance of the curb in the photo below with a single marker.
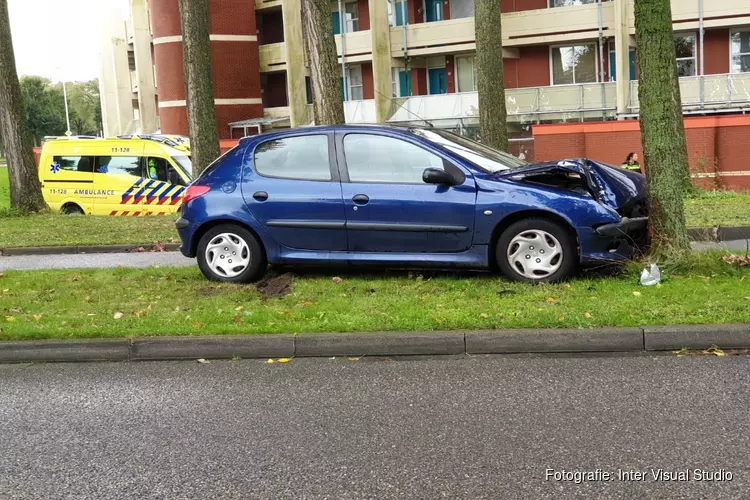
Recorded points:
(717, 233)
(76, 249)
(602, 340)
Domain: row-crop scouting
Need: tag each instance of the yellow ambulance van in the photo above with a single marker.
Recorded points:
(123, 176)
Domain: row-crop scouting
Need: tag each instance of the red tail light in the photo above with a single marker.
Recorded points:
(194, 192)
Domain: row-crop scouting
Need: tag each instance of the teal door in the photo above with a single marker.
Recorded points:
(434, 10)
(613, 65)
(438, 80)
(336, 21)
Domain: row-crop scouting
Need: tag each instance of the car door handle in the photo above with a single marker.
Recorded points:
(361, 199)
(260, 196)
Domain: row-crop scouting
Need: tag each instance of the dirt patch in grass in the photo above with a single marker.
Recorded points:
(275, 287)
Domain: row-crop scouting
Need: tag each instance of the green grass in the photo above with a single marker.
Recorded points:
(179, 301)
(703, 209)
(718, 208)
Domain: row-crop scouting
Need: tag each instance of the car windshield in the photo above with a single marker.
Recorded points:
(185, 164)
(488, 159)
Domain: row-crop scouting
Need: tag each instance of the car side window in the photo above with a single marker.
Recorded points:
(301, 157)
(119, 165)
(159, 169)
(382, 159)
(75, 163)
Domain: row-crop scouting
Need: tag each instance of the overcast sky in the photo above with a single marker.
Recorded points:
(59, 38)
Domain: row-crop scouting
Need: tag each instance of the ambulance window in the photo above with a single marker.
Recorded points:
(75, 163)
(160, 169)
(119, 165)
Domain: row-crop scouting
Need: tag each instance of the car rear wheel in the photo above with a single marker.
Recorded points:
(536, 251)
(231, 254)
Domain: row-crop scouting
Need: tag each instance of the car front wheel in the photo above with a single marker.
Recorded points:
(536, 250)
(231, 254)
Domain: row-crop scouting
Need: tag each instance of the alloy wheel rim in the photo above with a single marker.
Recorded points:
(227, 255)
(535, 254)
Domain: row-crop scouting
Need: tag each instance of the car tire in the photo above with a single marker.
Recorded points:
(72, 209)
(222, 244)
(523, 251)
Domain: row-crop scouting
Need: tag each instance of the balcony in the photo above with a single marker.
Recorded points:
(718, 14)
(561, 24)
(272, 57)
(358, 46)
(267, 4)
(720, 92)
(559, 103)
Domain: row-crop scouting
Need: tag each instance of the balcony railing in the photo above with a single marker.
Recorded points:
(564, 102)
(712, 92)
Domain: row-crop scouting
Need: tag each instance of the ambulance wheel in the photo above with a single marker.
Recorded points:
(231, 254)
(72, 209)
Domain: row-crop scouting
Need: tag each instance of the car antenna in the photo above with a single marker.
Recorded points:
(407, 110)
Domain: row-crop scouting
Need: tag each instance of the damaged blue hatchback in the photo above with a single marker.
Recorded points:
(405, 197)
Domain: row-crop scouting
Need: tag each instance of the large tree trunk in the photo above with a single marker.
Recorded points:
(322, 58)
(25, 189)
(662, 126)
(199, 85)
(490, 83)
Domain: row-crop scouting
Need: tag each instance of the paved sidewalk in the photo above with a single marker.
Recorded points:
(94, 261)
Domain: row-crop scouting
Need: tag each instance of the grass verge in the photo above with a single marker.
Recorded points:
(179, 301)
(718, 208)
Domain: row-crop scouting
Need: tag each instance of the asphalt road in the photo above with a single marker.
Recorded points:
(468, 427)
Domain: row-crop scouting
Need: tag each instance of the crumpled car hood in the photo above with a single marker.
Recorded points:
(610, 185)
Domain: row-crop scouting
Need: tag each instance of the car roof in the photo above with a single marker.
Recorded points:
(363, 127)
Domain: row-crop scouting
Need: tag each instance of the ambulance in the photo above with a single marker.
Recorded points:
(135, 175)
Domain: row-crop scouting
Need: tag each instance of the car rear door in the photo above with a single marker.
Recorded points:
(389, 208)
(293, 191)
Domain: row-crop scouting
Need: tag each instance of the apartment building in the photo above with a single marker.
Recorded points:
(411, 60)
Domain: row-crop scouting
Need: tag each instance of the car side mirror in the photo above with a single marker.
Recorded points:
(437, 176)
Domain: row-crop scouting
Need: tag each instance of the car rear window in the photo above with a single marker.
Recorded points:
(301, 157)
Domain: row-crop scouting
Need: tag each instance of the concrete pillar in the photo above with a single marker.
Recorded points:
(622, 55)
(144, 66)
(114, 78)
(291, 11)
(380, 34)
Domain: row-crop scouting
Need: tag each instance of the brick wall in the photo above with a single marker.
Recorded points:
(533, 66)
(715, 144)
(519, 5)
(363, 12)
(368, 88)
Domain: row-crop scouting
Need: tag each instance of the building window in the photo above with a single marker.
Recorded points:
(462, 8)
(466, 73)
(398, 14)
(352, 16)
(740, 51)
(574, 64)
(354, 78)
(684, 45)
(570, 3)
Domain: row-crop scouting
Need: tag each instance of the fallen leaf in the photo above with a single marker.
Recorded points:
(204, 361)
(10, 319)
(561, 318)
(438, 321)
(118, 315)
(270, 362)
(2, 275)
(566, 286)
(37, 317)
(551, 300)
(239, 308)
(91, 314)
(138, 314)
(747, 298)
(716, 351)
(658, 285)
(6, 290)
(742, 279)
(238, 319)
(353, 359)
(637, 294)
(177, 308)
(484, 316)
(284, 360)
(197, 324)
(16, 310)
(307, 303)
(337, 280)
(587, 315)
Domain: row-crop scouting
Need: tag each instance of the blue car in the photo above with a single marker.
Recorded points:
(405, 197)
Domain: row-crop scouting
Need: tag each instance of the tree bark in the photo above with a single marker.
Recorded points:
(490, 82)
(662, 126)
(320, 46)
(25, 188)
(199, 85)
